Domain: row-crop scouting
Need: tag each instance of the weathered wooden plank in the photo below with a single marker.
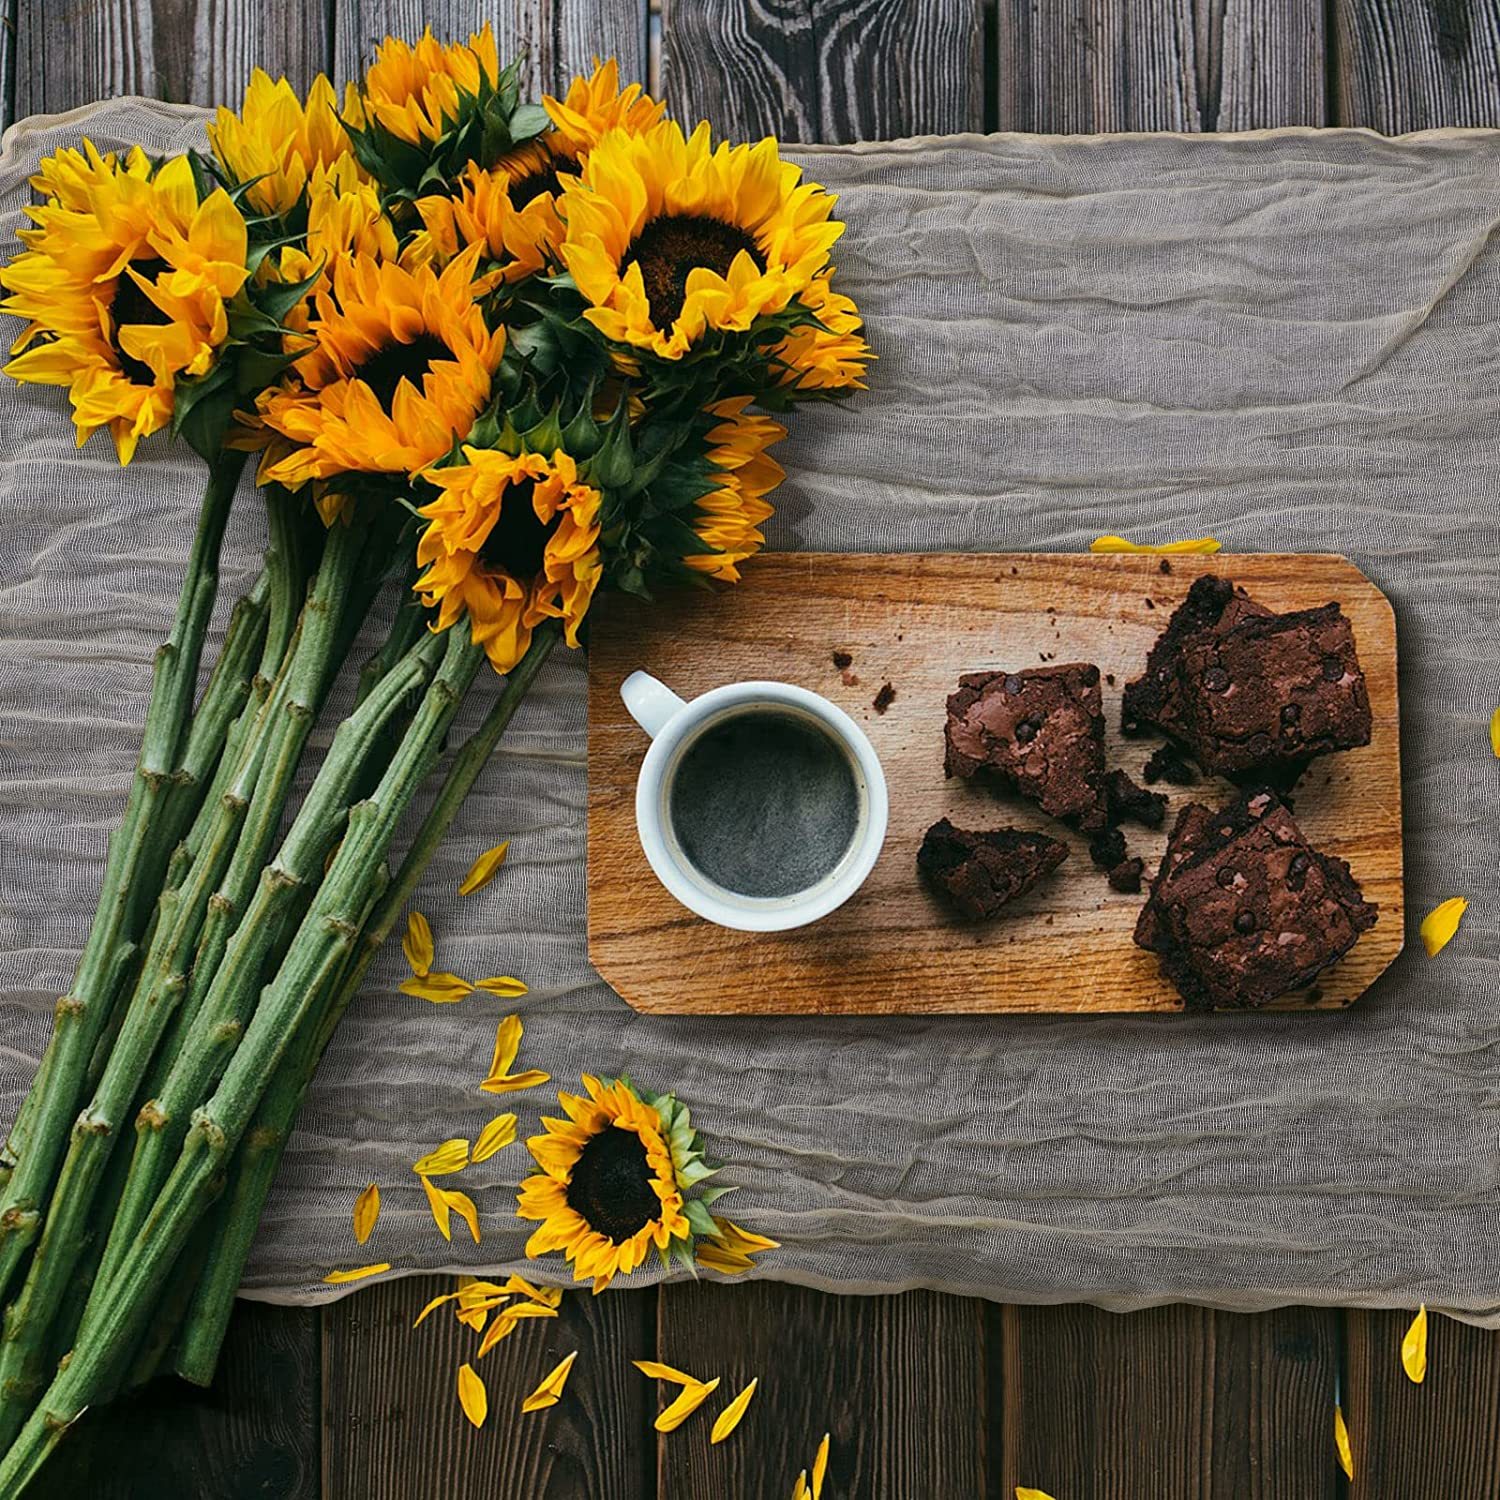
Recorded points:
(71, 52)
(1178, 1403)
(1101, 65)
(899, 1382)
(1437, 1439)
(392, 1424)
(7, 62)
(561, 37)
(825, 70)
(254, 1435)
(1404, 66)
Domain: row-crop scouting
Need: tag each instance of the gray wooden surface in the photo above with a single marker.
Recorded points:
(924, 1394)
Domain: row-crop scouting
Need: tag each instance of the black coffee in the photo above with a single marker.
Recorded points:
(765, 803)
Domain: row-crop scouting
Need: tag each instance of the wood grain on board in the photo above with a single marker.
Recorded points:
(919, 621)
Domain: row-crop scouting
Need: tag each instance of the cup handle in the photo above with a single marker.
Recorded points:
(652, 704)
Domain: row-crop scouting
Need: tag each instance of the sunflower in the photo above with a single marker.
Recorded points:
(514, 240)
(609, 1187)
(401, 365)
(829, 355)
(669, 236)
(729, 517)
(419, 93)
(511, 541)
(124, 282)
(278, 144)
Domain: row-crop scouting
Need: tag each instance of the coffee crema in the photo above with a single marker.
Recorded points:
(765, 803)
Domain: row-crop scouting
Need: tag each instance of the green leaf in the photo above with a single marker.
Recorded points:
(698, 1217)
(529, 120)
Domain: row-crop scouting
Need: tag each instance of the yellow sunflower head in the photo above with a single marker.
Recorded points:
(829, 356)
(419, 93)
(728, 519)
(511, 541)
(124, 283)
(594, 106)
(615, 1179)
(401, 364)
(283, 142)
(668, 237)
(514, 240)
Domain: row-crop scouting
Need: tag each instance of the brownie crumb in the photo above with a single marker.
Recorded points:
(1126, 876)
(842, 660)
(1127, 800)
(884, 698)
(1167, 765)
(1107, 849)
(1109, 677)
(1151, 604)
(849, 679)
(1164, 566)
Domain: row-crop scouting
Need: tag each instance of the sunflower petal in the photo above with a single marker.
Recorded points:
(503, 985)
(472, 1395)
(366, 1212)
(463, 1206)
(340, 1278)
(1414, 1348)
(691, 1398)
(514, 1081)
(417, 944)
(451, 1156)
(482, 871)
(658, 1371)
(433, 1306)
(1200, 544)
(440, 989)
(1341, 1441)
(1023, 1493)
(505, 1323)
(495, 1136)
(549, 1392)
(1440, 924)
(820, 1467)
(799, 1490)
(729, 1418)
(507, 1045)
(1495, 731)
(437, 1201)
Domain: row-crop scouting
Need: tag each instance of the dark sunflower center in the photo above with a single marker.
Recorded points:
(386, 368)
(534, 184)
(667, 249)
(518, 540)
(611, 1185)
(132, 305)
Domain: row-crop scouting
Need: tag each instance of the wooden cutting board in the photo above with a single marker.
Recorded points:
(917, 622)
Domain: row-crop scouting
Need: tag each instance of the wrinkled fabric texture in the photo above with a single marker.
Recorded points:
(1287, 340)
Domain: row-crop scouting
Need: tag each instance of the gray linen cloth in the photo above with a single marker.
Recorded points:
(1288, 340)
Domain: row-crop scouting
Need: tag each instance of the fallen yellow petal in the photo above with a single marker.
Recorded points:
(548, 1296)
(505, 1324)
(495, 1136)
(451, 1156)
(437, 1201)
(417, 944)
(658, 1371)
(463, 1206)
(820, 1467)
(503, 986)
(799, 1490)
(729, 1418)
(549, 1392)
(507, 1045)
(338, 1278)
(1495, 731)
(509, 1083)
(482, 871)
(1200, 544)
(692, 1397)
(433, 1306)
(366, 1212)
(441, 989)
(1341, 1441)
(1022, 1493)
(472, 1395)
(1439, 925)
(1414, 1348)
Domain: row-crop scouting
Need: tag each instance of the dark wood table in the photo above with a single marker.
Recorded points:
(926, 1395)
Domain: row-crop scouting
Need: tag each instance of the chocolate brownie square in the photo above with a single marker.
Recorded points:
(1039, 732)
(1244, 909)
(1249, 691)
(979, 872)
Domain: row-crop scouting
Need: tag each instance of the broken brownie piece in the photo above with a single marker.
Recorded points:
(1127, 800)
(979, 872)
(1246, 690)
(1038, 731)
(1244, 909)
(1126, 876)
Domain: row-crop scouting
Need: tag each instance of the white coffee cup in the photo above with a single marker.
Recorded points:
(674, 725)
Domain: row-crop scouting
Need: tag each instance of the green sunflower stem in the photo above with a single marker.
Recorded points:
(137, 859)
(319, 953)
(238, 1212)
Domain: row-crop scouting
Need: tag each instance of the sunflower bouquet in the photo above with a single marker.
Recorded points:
(492, 354)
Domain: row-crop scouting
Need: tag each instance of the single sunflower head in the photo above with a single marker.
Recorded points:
(124, 283)
(401, 363)
(278, 143)
(827, 357)
(668, 237)
(515, 240)
(419, 93)
(728, 518)
(511, 541)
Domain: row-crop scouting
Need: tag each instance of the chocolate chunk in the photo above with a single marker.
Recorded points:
(1107, 849)
(1126, 876)
(978, 872)
(884, 698)
(842, 660)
